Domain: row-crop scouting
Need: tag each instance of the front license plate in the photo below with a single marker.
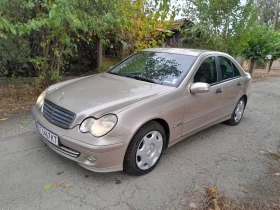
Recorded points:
(47, 134)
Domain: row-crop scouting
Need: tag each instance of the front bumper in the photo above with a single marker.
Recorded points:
(108, 151)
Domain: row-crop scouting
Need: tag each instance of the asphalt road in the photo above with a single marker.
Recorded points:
(232, 158)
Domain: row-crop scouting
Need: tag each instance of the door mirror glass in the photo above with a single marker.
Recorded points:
(200, 87)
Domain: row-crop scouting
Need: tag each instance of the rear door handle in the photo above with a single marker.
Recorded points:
(219, 90)
(239, 83)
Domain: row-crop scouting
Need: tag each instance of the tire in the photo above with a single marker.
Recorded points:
(237, 113)
(145, 149)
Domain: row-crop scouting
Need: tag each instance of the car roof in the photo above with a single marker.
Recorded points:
(183, 51)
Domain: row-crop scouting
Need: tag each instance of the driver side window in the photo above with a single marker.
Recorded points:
(207, 71)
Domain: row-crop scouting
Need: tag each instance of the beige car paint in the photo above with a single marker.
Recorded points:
(135, 103)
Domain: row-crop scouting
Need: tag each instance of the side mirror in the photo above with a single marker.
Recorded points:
(200, 87)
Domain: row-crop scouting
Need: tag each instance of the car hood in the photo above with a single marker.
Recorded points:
(101, 94)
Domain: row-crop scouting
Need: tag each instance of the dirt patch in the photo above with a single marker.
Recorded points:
(261, 74)
(217, 201)
(17, 97)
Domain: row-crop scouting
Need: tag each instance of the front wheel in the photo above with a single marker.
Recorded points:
(237, 113)
(145, 149)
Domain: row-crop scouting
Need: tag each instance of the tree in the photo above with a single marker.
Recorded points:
(274, 56)
(144, 23)
(266, 11)
(219, 24)
(59, 24)
(260, 41)
(13, 56)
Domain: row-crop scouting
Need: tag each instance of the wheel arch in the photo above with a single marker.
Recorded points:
(163, 123)
(245, 98)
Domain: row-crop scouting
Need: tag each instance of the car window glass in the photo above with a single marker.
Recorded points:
(236, 72)
(228, 69)
(207, 71)
(158, 67)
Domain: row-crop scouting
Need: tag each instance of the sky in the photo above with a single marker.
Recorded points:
(176, 3)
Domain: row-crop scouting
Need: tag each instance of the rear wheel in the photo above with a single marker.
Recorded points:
(145, 149)
(237, 113)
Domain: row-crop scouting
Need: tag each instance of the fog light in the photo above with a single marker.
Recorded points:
(91, 160)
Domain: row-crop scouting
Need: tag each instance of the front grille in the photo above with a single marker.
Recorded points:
(57, 115)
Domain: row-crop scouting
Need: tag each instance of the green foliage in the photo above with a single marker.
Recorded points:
(275, 53)
(60, 25)
(13, 56)
(219, 24)
(266, 11)
(260, 40)
(58, 28)
(143, 23)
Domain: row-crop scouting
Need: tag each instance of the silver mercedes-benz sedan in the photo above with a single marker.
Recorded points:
(124, 118)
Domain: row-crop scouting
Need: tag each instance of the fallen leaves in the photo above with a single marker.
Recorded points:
(57, 184)
(3, 119)
(13, 95)
(214, 198)
(277, 174)
(216, 201)
(193, 205)
(234, 159)
(68, 186)
(48, 187)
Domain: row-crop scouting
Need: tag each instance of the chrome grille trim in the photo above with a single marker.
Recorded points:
(58, 115)
(65, 150)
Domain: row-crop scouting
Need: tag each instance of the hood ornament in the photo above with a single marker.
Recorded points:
(61, 96)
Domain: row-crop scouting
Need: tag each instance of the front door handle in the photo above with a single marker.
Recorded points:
(219, 90)
(239, 83)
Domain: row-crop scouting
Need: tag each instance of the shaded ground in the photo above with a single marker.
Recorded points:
(238, 160)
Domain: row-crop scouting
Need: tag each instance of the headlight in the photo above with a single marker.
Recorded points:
(99, 127)
(40, 99)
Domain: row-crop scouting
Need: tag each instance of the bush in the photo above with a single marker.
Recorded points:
(13, 57)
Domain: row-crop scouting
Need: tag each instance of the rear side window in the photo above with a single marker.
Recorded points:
(228, 69)
(207, 71)
(236, 72)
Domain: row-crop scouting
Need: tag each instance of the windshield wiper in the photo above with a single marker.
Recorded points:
(115, 73)
(133, 76)
(142, 79)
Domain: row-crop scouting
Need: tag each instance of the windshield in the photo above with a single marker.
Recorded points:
(155, 67)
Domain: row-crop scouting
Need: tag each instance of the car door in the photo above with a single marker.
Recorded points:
(202, 109)
(232, 84)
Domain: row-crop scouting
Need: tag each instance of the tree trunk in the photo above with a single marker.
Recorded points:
(268, 66)
(99, 53)
(252, 65)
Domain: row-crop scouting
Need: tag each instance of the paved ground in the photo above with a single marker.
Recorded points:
(205, 159)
